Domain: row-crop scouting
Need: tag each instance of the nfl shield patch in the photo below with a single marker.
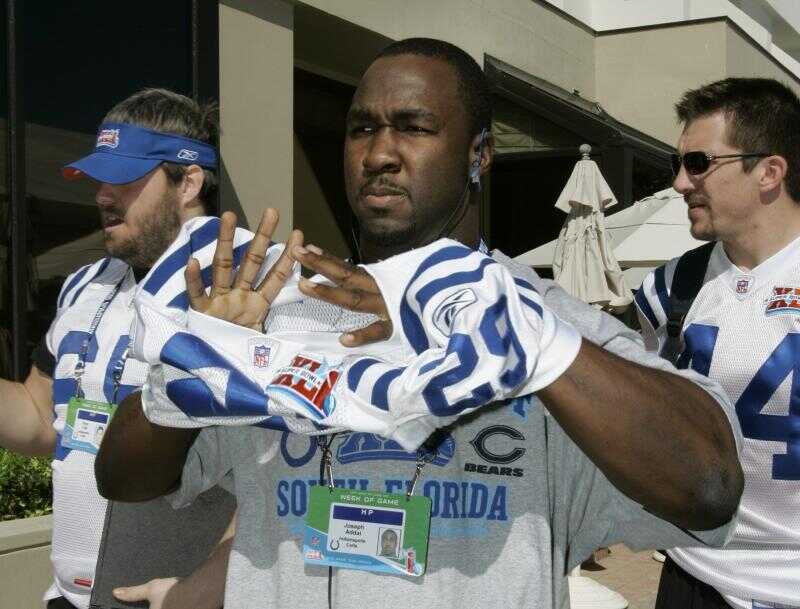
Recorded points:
(261, 356)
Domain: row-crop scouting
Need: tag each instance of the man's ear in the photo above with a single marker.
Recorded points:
(189, 190)
(773, 171)
(486, 151)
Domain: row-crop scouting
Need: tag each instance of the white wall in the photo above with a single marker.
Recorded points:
(773, 24)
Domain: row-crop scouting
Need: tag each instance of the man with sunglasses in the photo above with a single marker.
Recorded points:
(738, 168)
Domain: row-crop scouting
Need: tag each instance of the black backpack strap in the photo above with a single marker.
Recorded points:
(686, 283)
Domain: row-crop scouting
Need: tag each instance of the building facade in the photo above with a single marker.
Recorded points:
(563, 72)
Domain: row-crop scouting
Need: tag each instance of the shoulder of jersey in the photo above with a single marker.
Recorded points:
(75, 284)
(652, 297)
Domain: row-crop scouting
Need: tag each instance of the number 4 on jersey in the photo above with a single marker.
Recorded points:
(783, 361)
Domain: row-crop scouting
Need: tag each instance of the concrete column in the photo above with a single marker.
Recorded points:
(256, 39)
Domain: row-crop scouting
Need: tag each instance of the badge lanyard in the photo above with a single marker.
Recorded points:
(119, 366)
(369, 530)
(425, 454)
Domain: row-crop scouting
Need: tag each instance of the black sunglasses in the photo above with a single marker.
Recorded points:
(697, 161)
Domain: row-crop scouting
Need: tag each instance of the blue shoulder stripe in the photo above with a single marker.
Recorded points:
(99, 272)
(645, 308)
(72, 283)
(181, 301)
(357, 370)
(178, 259)
(661, 289)
(380, 390)
(412, 326)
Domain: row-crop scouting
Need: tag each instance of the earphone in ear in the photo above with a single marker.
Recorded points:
(475, 168)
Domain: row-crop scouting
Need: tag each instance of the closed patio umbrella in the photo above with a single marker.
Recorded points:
(583, 258)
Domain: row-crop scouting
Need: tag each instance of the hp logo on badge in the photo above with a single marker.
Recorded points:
(188, 155)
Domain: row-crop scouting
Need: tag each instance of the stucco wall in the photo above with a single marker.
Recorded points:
(25, 571)
(524, 33)
(742, 59)
(256, 94)
(641, 73)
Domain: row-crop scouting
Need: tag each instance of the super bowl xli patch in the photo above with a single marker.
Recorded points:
(307, 382)
(108, 138)
(783, 300)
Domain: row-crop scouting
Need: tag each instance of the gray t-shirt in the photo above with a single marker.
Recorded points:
(516, 503)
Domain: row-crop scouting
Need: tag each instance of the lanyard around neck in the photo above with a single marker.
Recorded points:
(83, 352)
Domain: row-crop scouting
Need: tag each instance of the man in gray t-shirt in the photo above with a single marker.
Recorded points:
(516, 502)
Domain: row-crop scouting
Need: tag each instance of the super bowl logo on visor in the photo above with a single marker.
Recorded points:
(108, 138)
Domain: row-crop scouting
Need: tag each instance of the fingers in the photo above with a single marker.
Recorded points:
(257, 250)
(338, 271)
(373, 333)
(281, 270)
(132, 594)
(222, 267)
(353, 299)
(194, 285)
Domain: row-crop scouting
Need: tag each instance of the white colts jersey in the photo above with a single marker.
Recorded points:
(743, 330)
(78, 509)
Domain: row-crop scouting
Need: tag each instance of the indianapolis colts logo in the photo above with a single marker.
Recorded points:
(445, 314)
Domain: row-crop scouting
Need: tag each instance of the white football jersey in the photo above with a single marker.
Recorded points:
(78, 509)
(467, 333)
(743, 330)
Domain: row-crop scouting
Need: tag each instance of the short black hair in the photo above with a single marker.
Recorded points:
(170, 112)
(472, 83)
(762, 115)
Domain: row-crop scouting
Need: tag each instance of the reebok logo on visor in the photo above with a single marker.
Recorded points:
(108, 138)
(188, 155)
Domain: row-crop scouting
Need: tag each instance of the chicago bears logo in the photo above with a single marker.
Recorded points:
(108, 138)
(445, 314)
(479, 443)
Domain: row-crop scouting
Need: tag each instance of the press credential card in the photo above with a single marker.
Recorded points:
(86, 424)
(370, 531)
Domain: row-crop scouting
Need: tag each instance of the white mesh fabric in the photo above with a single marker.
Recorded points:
(763, 560)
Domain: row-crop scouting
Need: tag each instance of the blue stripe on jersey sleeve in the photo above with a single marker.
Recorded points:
(532, 305)
(380, 391)
(524, 284)
(97, 274)
(189, 353)
(661, 290)
(437, 285)
(412, 326)
(645, 308)
(274, 422)
(72, 283)
(357, 370)
(181, 301)
(178, 259)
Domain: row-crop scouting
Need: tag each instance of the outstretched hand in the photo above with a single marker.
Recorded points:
(235, 298)
(353, 289)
